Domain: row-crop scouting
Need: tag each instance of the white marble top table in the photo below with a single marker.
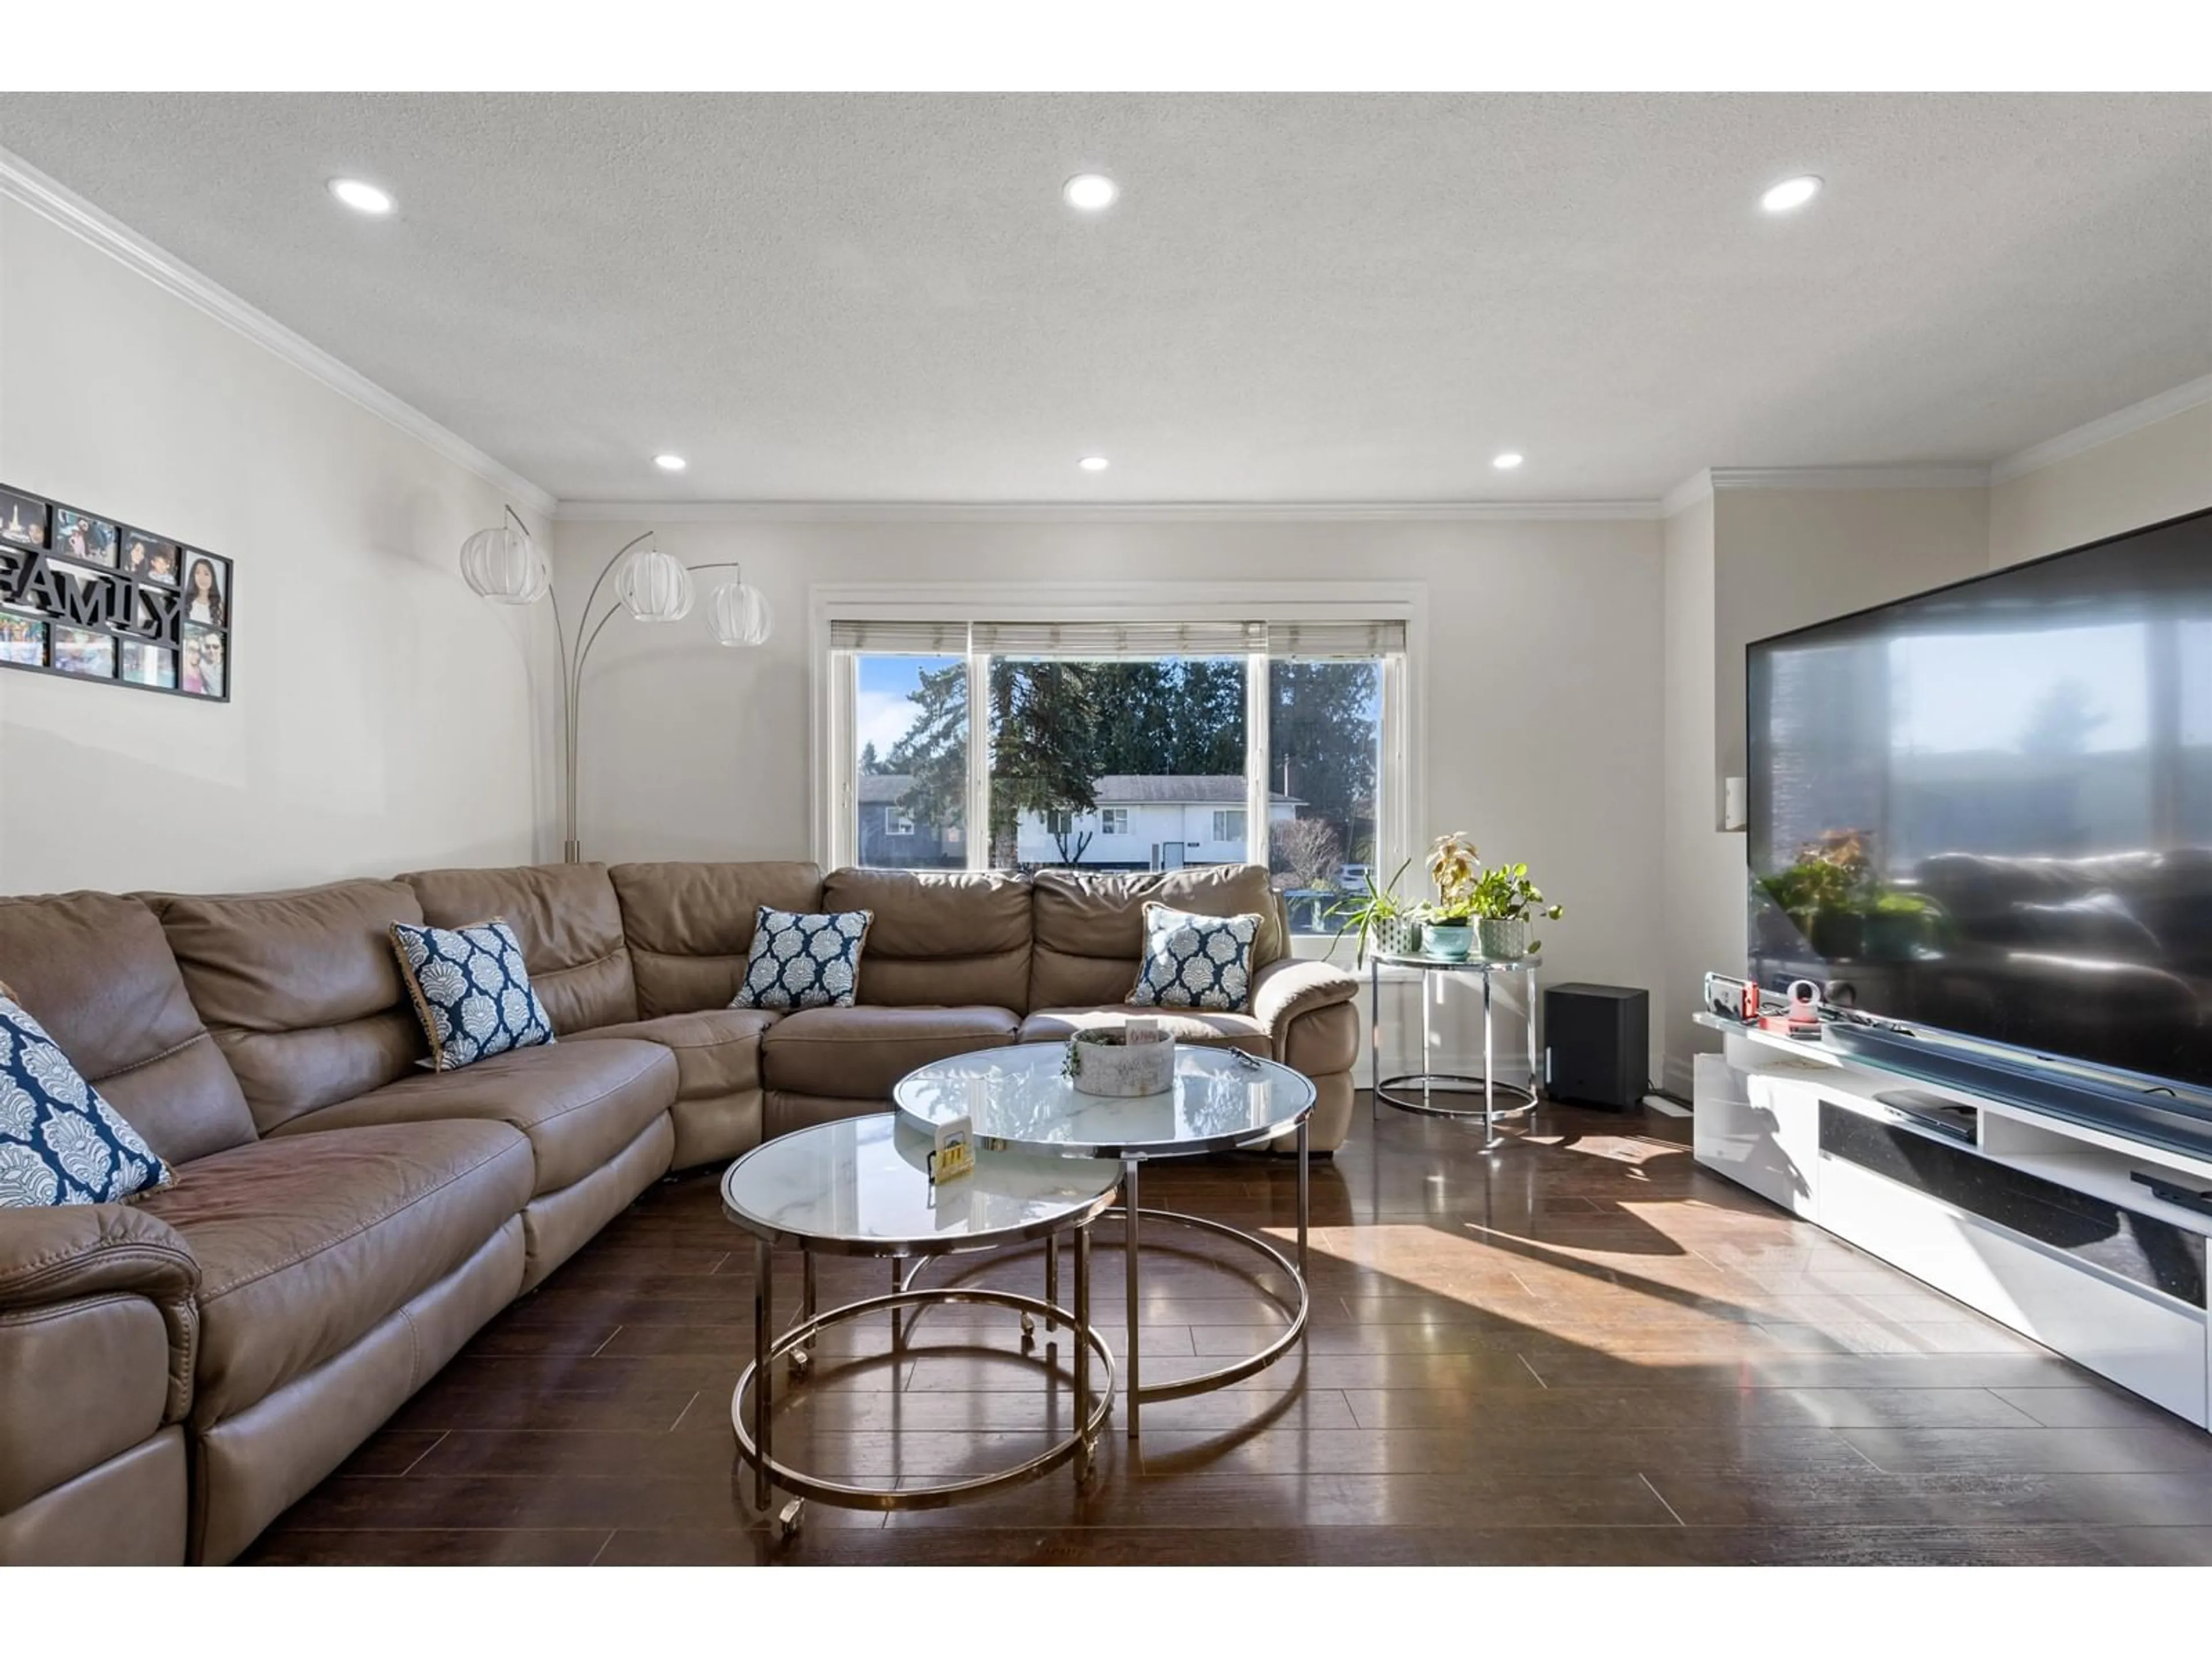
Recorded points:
(1019, 1099)
(861, 1187)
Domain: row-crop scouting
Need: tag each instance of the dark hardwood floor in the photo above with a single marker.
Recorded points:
(1579, 1349)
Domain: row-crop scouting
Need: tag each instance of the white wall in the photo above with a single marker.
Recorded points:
(2156, 472)
(1543, 731)
(382, 716)
(1703, 888)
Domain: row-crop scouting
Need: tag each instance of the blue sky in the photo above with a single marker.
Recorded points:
(882, 709)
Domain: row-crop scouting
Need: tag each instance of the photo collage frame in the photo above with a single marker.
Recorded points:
(94, 597)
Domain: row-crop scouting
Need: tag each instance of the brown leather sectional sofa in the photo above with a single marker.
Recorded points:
(175, 1372)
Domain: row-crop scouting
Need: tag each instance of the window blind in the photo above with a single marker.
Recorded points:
(923, 639)
(1335, 639)
(1119, 639)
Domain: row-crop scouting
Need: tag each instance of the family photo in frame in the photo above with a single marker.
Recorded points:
(95, 599)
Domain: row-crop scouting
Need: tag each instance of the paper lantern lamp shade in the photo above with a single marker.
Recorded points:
(654, 586)
(504, 565)
(738, 615)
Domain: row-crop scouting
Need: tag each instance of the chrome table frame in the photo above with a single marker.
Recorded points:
(1389, 1090)
(756, 1440)
(1131, 1212)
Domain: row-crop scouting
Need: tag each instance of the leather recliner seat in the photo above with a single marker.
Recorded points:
(175, 1372)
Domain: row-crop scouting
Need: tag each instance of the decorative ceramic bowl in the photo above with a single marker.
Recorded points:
(1106, 1062)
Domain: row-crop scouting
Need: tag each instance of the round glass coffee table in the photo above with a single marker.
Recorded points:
(1435, 1094)
(861, 1187)
(1020, 1100)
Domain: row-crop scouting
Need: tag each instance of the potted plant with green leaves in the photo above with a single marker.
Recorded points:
(1503, 902)
(1380, 916)
(1447, 929)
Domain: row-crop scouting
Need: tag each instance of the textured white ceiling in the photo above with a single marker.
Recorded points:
(1298, 298)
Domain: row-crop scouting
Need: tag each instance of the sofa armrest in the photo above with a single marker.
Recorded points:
(98, 1335)
(60, 1253)
(1289, 988)
(51, 1258)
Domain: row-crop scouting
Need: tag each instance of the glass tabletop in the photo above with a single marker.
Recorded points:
(861, 1187)
(1462, 964)
(1019, 1099)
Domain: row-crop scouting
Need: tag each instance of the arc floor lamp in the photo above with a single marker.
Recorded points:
(503, 564)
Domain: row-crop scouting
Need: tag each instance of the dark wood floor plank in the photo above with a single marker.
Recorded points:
(1579, 1349)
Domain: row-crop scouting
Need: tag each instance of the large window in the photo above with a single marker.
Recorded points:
(1121, 745)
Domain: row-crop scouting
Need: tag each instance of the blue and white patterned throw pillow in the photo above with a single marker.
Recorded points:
(1195, 962)
(60, 1143)
(802, 961)
(470, 991)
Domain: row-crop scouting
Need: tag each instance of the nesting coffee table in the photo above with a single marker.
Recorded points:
(1223, 1099)
(861, 1187)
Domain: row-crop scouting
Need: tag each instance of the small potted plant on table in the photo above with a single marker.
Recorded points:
(1446, 929)
(1503, 901)
(1380, 917)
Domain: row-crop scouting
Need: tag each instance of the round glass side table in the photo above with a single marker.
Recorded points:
(861, 1187)
(1442, 1094)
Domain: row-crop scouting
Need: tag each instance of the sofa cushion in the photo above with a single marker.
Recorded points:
(690, 926)
(1195, 962)
(60, 1143)
(96, 970)
(858, 1054)
(306, 1243)
(1090, 928)
(939, 936)
(804, 960)
(1207, 1027)
(578, 1102)
(470, 991)
(570, 924)
(300, 989)
(717, 1049)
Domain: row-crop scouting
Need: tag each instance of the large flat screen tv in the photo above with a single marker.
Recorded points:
(1986, 812)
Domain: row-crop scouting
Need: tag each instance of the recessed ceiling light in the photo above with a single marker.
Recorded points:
(670, 463)
(1091, 191)
(362, 196)
(1093, 463)
(1790, 193)
(1507, 461)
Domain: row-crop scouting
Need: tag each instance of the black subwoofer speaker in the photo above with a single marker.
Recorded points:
(1597, 1044)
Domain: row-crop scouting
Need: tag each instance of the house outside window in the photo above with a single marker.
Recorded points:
(1144, 745)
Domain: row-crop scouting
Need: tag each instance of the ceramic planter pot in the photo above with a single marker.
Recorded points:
(1397, 936)
(1108, 1065)
(1451, 941)
(1502, 940)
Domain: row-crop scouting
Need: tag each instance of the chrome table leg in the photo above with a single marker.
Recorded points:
(763, 1313)
(1089, 1449)
(1130, 1199)
(1489, 1066)
(1304, 1189)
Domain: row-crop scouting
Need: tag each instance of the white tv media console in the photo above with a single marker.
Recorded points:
(2033, 1221)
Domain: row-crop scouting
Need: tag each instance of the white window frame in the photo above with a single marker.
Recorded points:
(1405, 752)
(898, 821)
(1224, 830)
(1113, 820)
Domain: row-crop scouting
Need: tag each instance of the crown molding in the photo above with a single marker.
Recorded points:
(1095, 512)
(22, 183)
(1704, 484)
(2118, 424)
(1850, 477)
